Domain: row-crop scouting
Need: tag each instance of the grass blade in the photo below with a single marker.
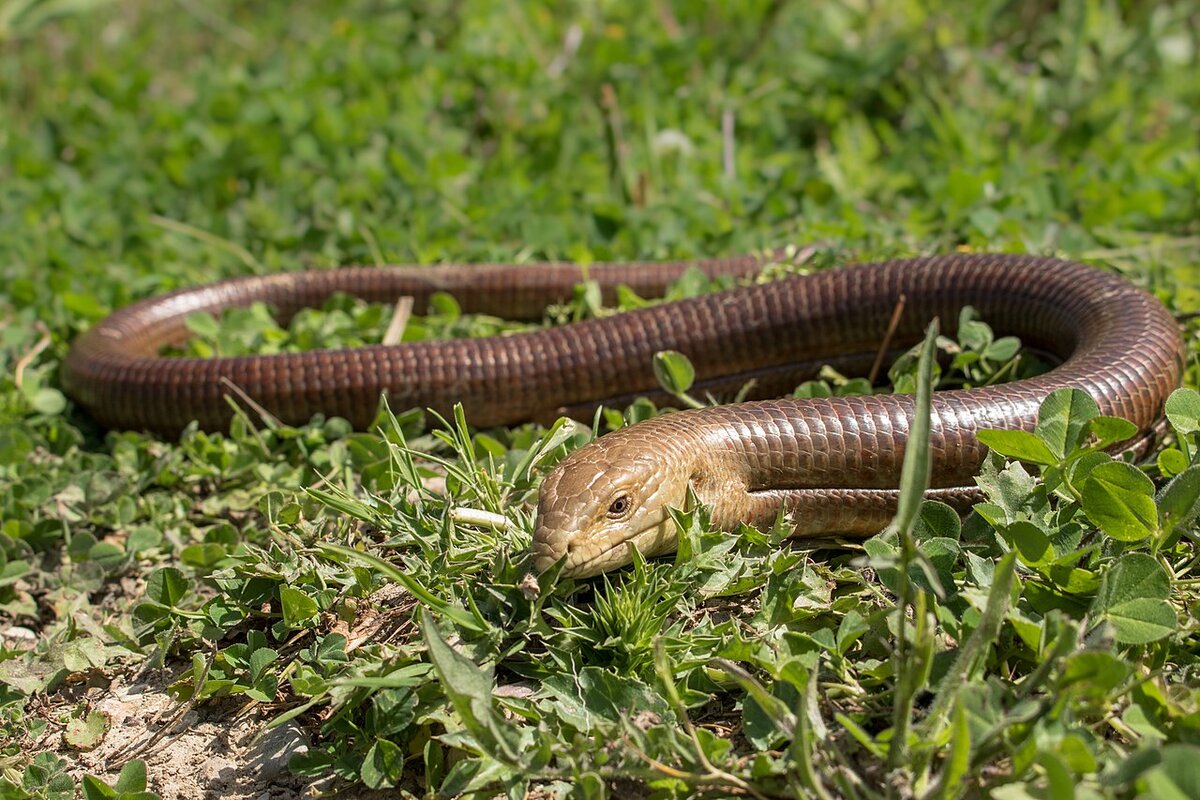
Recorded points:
(457, 614)
(914, 479)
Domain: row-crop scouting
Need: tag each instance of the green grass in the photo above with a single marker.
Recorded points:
(1045, 647)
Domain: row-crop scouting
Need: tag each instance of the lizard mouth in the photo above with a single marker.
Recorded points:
(650, 541)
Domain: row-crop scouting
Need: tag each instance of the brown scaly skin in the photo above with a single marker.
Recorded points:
(613, 494)
(833, 464)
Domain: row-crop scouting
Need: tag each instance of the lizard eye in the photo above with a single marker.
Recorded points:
(620, 506)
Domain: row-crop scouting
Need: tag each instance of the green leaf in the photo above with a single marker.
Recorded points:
(331, 648)
(674, 371)
(1183, 411)
(1119, 499)
(48, 401)
(278, 510)
(107, 555)
(445, 305)
(383, 766)
(94, 789)
(1133, 597)
(1081, 467)
(1179, 500)
(1073, 749)
(852, 628)
(1093, 672)
(813, 389)
(1060, 782)
(1171, 462)
(260, 659)
(470, 776)
(469, 689)
(148, 619)
(85, 305)
(167, 586)
(1003, 349)
(143, 537)
(1032, 544)
(1008, 486)
(1176, 775)
(598, 701)
(203, 324)
(298, 608)
(132, 777)
(937, 520)
(1021, 445)
(47, 776)
(1142, 620)
(204, 556)
(854, 387)
(14, 445)
(1107, 431)
(86, 733)
(1137, 720)
(1062, 418)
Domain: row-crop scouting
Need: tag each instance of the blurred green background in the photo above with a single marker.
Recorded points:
(148, 144)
